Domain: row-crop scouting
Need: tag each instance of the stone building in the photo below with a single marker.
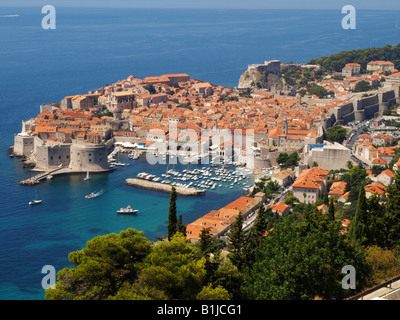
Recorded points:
(328, 156)
(310, 185)
(380, 66)
(273, 66)
(24, 144)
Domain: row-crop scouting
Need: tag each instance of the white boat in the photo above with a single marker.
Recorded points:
(127, 210)
(35, 202)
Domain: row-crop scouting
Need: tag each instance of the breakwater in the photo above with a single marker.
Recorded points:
(150, 185)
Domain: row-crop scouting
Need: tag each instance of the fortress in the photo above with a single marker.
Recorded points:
(273, 66)
(72, 157)
(361, 108)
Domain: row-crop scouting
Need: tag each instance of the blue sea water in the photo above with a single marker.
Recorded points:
(93, 47)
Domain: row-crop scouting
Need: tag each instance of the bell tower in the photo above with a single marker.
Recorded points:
(284, 127)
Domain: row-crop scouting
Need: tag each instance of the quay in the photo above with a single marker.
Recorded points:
(58, 171)
(36, 179)
(150, 185)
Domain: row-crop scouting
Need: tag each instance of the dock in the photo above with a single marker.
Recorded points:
(37, 178)
(156, 186)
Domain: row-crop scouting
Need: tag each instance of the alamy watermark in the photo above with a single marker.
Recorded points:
(349, 281)
(49, 280)
(349, 20)
(215, 146)
(49, 20)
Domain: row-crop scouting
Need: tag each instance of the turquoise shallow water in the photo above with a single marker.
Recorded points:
(93, 47)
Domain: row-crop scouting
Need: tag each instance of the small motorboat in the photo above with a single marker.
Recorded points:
(127, 210)
(91, 195)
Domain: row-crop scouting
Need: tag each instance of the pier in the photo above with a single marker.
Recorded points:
(150, 185)
(36, 179)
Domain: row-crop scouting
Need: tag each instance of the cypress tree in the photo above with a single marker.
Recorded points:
(359, 225)
(180, 227)
(236, 243)
(172, 220)
(326, 198)
(331, 211)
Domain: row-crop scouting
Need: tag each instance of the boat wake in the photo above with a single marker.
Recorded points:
(9, 16)
(94, 194)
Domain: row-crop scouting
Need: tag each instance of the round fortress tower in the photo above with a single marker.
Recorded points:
(89, 157)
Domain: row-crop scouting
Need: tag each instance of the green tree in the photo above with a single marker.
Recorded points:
(354, 178)
(362, 86)
(393, 213)
(236, 243)
(377, 234)
(101, 268)
(173, 268)
(359, 225)
(331, 210)
(317, 90)
(210, 293)
(209, 251)
(180, 226)
(282, 158)
(256, 234)
(229, 277)
(172, 220)
(326, 198)
(302, 259)
(336, 134)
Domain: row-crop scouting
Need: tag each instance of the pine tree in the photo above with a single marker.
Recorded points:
(172, 220)
(359, 225)
(392, 218)
(236, 243)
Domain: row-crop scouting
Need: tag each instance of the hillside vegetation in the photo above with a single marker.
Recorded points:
(337, 61)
